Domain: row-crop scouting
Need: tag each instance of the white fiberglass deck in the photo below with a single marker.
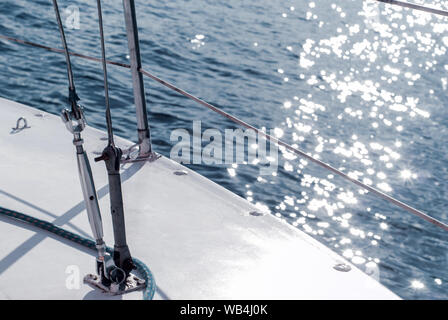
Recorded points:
(197, 238)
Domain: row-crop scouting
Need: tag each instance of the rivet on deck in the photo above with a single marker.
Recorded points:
(342, 267)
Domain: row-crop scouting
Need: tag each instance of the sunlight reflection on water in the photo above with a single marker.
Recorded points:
(357, 84)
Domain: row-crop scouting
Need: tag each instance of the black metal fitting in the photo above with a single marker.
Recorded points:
(122, 257)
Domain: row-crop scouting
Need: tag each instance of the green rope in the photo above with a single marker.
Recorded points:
(149, 290)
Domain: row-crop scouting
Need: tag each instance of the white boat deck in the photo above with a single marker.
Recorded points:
(198, 238)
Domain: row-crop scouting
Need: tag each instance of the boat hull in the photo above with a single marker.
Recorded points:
(199, 239)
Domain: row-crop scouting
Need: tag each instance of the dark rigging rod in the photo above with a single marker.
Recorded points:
(112, 156)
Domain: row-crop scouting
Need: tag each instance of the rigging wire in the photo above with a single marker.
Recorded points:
(415, 7)
(301, 153)
(244, 124)
(110, 134)
(56, 50)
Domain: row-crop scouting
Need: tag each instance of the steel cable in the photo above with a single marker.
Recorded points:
(148, 291)
(297, 151)
(415, 7)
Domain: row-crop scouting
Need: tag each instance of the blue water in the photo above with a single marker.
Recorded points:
(360, 85)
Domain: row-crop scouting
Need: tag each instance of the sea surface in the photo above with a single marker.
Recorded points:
(360, 85)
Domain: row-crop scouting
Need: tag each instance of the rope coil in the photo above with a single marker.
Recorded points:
(110, 134)
(246, 125)
(142, 269)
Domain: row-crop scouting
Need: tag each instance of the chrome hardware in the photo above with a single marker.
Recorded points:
(73, 124)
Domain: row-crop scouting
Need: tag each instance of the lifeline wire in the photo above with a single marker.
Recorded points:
(110, 133)
(73, 97)
(415, 7)
(299, 152)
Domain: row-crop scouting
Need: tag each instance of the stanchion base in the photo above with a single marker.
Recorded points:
(133, 283)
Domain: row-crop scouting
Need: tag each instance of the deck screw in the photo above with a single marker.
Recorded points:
(342, 267)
